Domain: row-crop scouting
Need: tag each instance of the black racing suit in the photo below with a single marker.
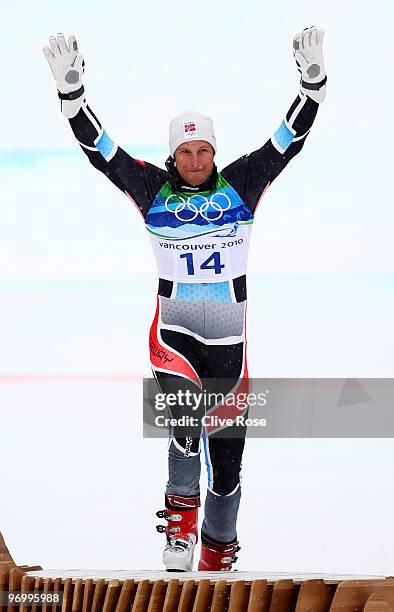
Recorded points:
(200, 237)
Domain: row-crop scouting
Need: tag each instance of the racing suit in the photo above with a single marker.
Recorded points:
(200, 237)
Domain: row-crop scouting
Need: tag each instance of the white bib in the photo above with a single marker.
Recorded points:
(206, 258)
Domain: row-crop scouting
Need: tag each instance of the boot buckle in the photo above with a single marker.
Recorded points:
(161, 514)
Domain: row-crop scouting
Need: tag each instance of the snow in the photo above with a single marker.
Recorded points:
(80, 485)
(182, 576)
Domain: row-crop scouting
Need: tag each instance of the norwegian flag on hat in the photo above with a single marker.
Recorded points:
(190, 129)
(188, 126)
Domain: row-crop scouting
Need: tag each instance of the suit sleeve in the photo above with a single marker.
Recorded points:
(252, 174)
(139, 180)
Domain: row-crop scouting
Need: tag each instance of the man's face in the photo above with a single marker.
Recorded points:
(194, 161)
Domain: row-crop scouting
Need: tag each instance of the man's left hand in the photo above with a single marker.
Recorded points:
(308, 54)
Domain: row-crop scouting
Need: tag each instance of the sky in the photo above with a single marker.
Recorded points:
(77, 278)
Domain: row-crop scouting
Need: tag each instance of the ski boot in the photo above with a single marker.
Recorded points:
(182, 531)
(217, 556)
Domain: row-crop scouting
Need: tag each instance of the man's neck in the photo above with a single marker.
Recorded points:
(181, 185)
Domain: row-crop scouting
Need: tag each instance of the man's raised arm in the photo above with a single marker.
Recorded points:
(137, 179)
(252, 174)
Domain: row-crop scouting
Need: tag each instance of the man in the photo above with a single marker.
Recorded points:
(199, 221)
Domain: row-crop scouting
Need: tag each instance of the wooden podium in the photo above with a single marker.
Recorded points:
(154, 591)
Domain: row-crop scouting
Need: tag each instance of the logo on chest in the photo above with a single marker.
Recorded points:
(188, 209)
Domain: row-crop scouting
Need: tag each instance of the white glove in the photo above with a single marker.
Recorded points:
(67, 65)
(308, 54)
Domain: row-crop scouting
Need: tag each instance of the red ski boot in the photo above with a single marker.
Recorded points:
(182, 531)
(217, 557)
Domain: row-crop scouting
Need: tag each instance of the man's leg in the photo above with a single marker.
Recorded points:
(184, 441)
(223, 459)
(226, 366)
(184, 467)
(182, 497)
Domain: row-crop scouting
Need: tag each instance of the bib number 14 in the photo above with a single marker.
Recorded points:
(212, 263)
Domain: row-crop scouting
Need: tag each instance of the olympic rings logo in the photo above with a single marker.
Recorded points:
(187, 210)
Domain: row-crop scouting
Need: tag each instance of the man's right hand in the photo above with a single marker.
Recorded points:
(66, 63)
